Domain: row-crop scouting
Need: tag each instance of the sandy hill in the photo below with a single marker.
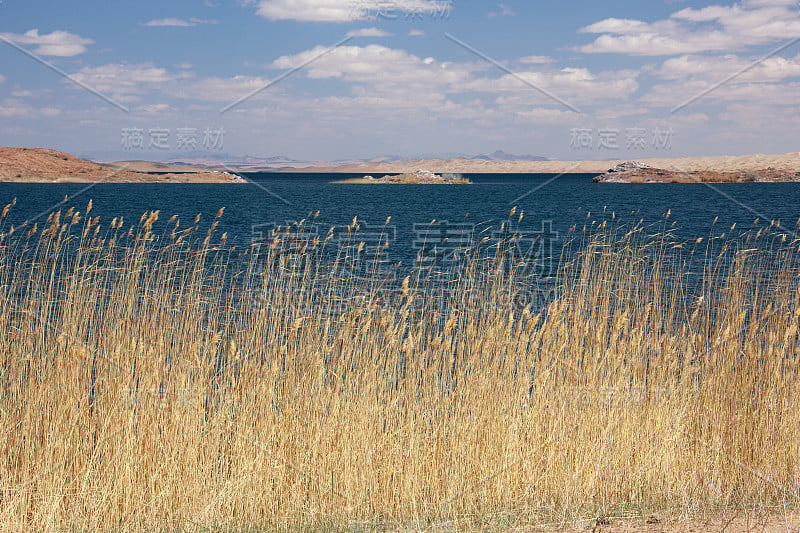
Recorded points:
(790, 161)
(138, 165)
(45, 165)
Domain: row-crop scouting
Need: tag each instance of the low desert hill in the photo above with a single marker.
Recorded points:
(52, 166)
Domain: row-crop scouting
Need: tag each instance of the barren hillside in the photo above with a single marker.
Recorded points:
(45, 165)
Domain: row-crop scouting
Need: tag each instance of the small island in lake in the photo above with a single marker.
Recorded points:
(637, 172)
(419, 177)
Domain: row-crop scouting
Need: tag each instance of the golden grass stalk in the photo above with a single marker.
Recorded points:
(167, 380)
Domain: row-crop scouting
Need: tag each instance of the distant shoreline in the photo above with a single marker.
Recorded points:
(41, 165)
(754, 162)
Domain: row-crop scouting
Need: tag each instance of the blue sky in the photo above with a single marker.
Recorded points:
(567, 80)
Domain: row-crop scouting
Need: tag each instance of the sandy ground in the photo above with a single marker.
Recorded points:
(790, 161)
(139, 165)
(43, 165)
(729, 522)
(51, 166)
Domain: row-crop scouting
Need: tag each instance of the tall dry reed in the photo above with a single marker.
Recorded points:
(162, 379)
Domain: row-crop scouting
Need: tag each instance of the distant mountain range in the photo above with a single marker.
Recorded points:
(213, 160)
(500, 155)
(223, 160)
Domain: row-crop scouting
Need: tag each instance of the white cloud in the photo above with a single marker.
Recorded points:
(755, 118)
(375, 65)
(505, 11)
(577, 86)
(715, 69)
(126, 82)
(2, 78)
(712, 28)
(358, 86)
(416, 33)
(14, 108)
(536, 60)
(349, 10)
(368, 32)
(175, 22)
(226, 90)
(699, 93)
(168, 22)
(58, 43)
(381, 74)
(12, 111)
(155, 109)
(546, 115)
(702, 80)
(617, 26)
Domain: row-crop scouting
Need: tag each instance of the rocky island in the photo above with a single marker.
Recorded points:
(419, 177)
(638, 172)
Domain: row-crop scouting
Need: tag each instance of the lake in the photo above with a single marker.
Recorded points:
(551, 204)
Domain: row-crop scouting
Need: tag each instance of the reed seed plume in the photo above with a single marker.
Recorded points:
(162, 379)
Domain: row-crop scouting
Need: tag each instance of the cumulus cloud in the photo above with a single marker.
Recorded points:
(15, 108)
(58, 43)
(349, 10)
(772, 69)
(690, 79)
(576, 85)
(224, 90)
(168, 22)
(125, 82)
(536, 60)
(16, 111)
(503, 11)
(368, 32)
(697, 93)
(49, 112)
(380, 71)
(175, 22)
(712, 28)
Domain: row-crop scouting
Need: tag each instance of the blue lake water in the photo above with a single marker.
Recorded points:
(552, 204)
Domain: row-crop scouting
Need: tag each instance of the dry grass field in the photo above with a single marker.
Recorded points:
(154, 378)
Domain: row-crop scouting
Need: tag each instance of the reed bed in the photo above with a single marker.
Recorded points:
(154, 378)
